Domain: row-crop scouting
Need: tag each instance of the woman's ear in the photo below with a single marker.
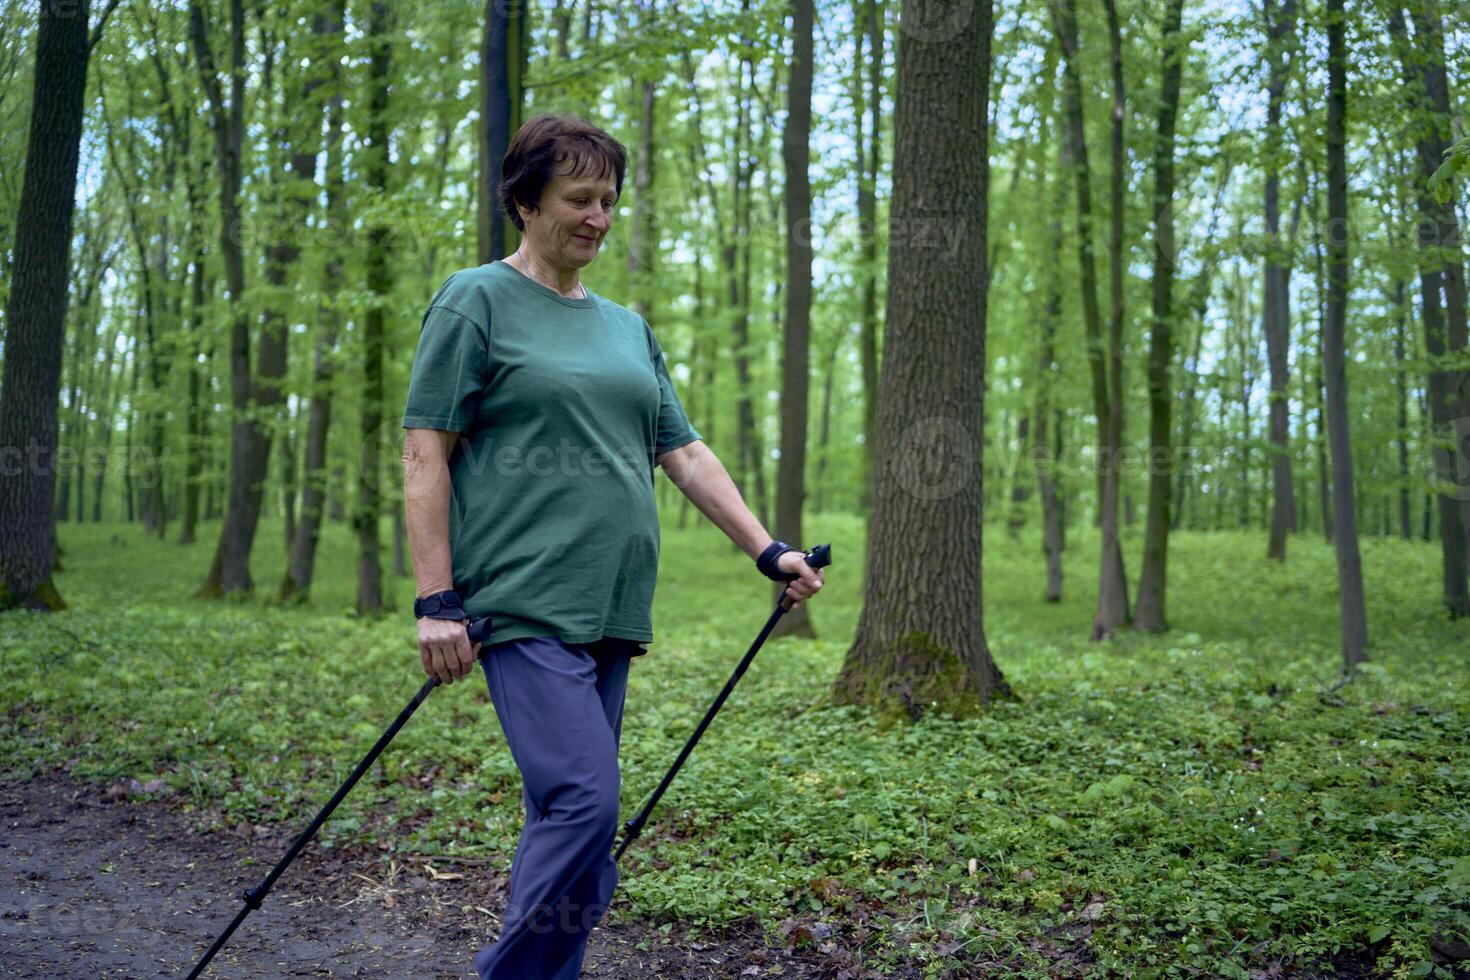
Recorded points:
(522, 209)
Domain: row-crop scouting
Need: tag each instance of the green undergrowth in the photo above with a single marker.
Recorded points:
(1198, 802)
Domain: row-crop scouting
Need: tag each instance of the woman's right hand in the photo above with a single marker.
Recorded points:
(445, 648)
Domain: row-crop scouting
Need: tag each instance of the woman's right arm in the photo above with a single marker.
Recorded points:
(444, 648)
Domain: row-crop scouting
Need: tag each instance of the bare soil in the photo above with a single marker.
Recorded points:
(95, 885)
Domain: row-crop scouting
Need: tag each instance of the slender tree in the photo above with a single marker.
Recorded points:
(230, 570)
(297, 582)
(1153, 577)
(504, 53)
(369, 563)
(1103, 357)
(1441, 272)
(1334, 354)
(869, 18)
(796, 150)
(1276, 319)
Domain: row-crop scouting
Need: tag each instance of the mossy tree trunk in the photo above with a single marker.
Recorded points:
(920, 643)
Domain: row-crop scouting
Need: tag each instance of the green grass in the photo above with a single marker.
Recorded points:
(1187, 803)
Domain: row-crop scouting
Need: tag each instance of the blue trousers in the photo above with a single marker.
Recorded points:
(561, 708)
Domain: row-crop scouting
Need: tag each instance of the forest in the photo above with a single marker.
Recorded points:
(1118, 348)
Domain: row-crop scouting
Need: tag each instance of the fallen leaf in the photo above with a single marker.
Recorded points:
(438, 875)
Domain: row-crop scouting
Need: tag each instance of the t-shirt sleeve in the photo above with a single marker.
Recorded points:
(451, 368)
(674, 427)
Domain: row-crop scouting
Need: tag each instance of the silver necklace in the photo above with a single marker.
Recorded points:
(525, 272)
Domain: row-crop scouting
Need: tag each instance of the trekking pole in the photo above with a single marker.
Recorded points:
(818, 557)
(478, 632)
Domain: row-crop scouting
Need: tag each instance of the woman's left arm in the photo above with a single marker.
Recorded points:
(698, 472)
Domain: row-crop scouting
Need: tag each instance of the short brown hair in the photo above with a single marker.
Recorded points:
(540, 145)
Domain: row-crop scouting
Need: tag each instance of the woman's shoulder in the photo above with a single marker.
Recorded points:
(468, 292)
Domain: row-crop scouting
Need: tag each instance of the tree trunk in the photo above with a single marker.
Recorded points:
(1349, 567)
(704, 403)
(869, 18)
(35, 312)
(1112, 606)
(106, 413)
(1324, 482)
(296, 586)
(1045, 454)
(1153, 578)
(1441, 269)
(824, 436)
(1277, 312)
(379, 281)
(796, 150)
(1401, 404)
(1198, 304)
(504, 50)
(1020, 494)
(920, 643)
(643, 236)
(750, 454)
(230, 570)
(198, 379)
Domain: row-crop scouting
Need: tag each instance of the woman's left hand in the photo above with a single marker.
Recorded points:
(794, 563)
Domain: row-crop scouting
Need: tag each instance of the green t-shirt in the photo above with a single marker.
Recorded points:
(562, 405)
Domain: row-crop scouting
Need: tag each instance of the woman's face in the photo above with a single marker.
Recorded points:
(572, 220)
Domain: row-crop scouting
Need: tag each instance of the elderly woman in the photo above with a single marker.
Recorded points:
(537, 411)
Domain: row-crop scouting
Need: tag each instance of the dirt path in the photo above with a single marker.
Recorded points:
(99, 887)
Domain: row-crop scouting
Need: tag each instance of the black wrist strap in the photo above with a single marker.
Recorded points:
(440, 605)
(767, 562)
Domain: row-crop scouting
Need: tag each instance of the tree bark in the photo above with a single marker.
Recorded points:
(1349, 565)
(736, 255)
(869, 18)
(369, 562)
(1149, 614)
(1112, 605)
(1280, 26)
(643, 236)
(198, 380)
(1441, 269)
(1045, 453)
(296, 585)
(1324, 481)
(230, 570)
(35, 312)
(504, 50)
(920, 643)
(796, 380)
